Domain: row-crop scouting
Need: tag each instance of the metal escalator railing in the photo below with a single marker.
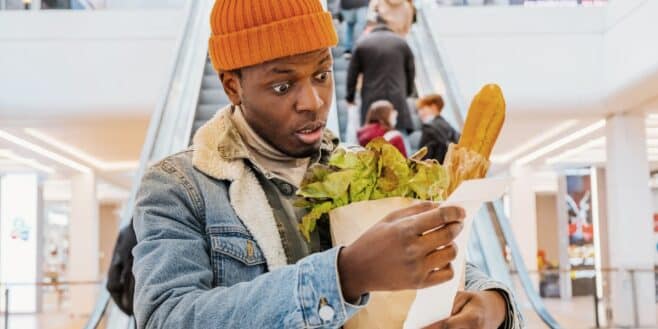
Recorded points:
(170, 125)
(431, 57)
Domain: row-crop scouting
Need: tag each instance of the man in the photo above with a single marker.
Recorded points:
(387, 65)
(218, 242)
(355, 17)
(437, 133)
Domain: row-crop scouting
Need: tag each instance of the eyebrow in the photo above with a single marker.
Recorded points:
(277, 70)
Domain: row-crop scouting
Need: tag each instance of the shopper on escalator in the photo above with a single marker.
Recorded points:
(355, 17)
(386, 63)
(398, 14)
(380, 122)
(437, 133)
(219, 244)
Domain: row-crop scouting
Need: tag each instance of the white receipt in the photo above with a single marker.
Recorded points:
(435, 303)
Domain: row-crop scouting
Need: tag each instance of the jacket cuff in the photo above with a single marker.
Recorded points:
(320, 294)
(513, 317)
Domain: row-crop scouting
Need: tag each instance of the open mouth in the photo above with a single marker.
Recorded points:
(311, 133)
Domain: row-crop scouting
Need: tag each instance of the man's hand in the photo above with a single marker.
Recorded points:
(475, 310)
(395, 254)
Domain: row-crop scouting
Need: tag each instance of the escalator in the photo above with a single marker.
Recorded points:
(194, 94)
(492, 232)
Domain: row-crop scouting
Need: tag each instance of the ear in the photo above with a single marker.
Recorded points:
(232, 87)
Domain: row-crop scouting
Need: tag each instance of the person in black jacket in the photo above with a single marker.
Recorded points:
(387, 65)
(437, 133)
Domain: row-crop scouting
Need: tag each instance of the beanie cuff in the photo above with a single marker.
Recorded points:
(289, 37)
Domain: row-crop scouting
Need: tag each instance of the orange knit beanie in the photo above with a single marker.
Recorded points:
(249, 32)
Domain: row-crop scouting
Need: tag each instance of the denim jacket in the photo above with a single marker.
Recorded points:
(209, 253)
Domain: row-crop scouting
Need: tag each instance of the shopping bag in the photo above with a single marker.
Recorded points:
(414, 308)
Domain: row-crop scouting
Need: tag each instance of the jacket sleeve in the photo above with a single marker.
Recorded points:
(353, 72)
(432, 142)
(410, 70)
(174, 276)
(476, 280)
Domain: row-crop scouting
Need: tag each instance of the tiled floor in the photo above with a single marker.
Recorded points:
(577, 313)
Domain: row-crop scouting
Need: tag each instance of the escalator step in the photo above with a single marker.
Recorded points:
(341, 64)
(211, 82)
(206, 112)
(209, 69)
(340, 77)
(213, 97)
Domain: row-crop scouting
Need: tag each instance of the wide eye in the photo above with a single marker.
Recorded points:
(324, 76)
(281, 88)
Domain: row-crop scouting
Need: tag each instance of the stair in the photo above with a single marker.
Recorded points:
(211, 98)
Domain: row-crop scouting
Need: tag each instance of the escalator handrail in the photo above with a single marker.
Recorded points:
(524, 277)
(459, 107)
(455, 97)
(158, 114)
(149, 144)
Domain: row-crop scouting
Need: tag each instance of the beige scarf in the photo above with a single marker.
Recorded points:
(267, 158)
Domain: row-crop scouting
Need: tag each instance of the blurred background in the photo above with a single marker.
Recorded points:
(93, 91)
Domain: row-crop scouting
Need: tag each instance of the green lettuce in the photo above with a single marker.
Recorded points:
(376, 172)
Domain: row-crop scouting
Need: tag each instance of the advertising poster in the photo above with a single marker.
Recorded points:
(581, 232)
(18, 239)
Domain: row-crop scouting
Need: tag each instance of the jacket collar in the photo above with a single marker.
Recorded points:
(381, 27)
(219, 152)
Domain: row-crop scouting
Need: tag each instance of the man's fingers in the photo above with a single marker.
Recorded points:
(441, 258)
(436, 218)
(441, 237)
(461, 300)
(439, 276)
(416, 209)
(461, 321)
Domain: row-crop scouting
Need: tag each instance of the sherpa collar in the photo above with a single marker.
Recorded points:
(219, 152)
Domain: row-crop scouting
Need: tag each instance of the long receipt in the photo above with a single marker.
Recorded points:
(435, 303)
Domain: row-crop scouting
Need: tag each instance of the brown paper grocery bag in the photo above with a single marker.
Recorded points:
(385, 310)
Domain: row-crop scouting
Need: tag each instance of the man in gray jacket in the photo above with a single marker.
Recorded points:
(218, 238)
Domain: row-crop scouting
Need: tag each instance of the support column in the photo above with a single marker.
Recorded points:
(83, 249)
(563, 239)
(630, 225)
(523, 218)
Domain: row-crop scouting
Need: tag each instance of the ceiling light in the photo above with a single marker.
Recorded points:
(534, 142)
(43, 152)
(76, 152)
(28, 162)
(560, 143)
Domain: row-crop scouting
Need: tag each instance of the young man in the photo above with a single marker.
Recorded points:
(218, 243)
(437, 133)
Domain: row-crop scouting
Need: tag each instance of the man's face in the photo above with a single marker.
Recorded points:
(286, 101)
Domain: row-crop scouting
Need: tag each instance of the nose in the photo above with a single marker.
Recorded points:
(308, 98)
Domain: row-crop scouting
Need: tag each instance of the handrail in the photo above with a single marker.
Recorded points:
(524, 276)
(159, 129)
(455, 97)
(458, 105)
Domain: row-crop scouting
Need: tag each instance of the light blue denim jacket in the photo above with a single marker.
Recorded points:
(209, 254)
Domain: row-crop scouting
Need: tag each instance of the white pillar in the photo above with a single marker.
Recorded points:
(630, 225)
(83, 249)
(523, 217)
(563, 239)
